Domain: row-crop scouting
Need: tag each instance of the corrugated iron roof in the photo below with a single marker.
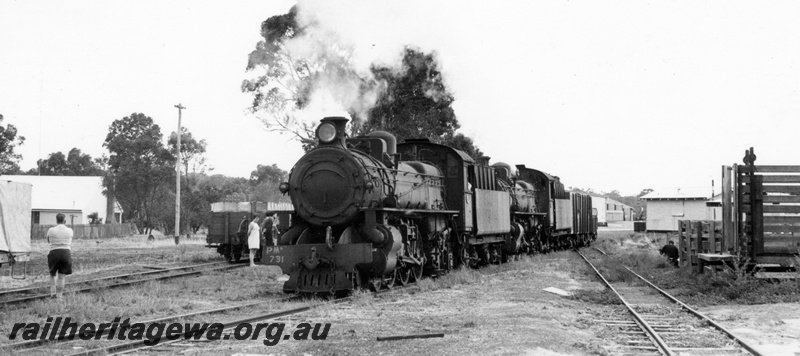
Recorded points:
(62, 192)
(685, 193)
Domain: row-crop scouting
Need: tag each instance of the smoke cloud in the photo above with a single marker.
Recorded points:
(348, 38)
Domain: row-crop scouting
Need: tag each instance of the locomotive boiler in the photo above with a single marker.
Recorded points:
(361, 215)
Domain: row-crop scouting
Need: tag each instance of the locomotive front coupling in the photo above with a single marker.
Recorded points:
(315, 266)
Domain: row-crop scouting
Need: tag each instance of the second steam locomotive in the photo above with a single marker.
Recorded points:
(373, 212)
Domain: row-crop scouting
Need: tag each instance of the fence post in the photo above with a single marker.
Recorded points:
(726, 242)
(712, 237)
(698, 245)
(757, 214)
(681, 242)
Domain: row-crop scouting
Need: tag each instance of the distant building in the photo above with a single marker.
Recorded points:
(714, 208)
(666, 206)
(610, 210)
(75, 197)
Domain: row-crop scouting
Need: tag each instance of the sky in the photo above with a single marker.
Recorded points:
(607, 95)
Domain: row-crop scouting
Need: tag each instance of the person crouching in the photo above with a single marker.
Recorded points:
(672, 253)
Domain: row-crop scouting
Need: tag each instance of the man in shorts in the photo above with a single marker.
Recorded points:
(59, 260)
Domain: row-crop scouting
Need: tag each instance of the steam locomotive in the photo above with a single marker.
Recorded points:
(371, 212)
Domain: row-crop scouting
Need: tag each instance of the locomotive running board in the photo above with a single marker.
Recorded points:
(412, 211)
(527, 213)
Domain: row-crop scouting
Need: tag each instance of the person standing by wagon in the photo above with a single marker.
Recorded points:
(253, 238)
(266, 228)
(242, 233)
(59, 260)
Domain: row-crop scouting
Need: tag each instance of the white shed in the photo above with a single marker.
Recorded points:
(666, 206)
(599, 207)
(608, 209)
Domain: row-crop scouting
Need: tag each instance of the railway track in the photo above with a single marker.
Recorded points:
(23, 295)
(35, 344)
(139, 345)
(670, 328)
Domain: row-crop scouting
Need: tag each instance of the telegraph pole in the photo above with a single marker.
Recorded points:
(178, 178)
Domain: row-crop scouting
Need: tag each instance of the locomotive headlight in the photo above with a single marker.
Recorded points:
(326, 133)
(283, 187)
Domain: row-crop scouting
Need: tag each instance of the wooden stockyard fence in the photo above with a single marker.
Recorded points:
(760, 219)
(89, 231)
(699, 236)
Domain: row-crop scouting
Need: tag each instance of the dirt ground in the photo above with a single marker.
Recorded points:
(499, 311)
(773, 329)
(503, 312)
(98, 258)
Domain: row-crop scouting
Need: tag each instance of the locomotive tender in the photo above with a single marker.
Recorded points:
(373, 212)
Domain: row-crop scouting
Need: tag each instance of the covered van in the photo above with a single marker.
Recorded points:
(15, 222)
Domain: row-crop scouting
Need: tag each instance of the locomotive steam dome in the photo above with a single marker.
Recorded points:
(328, 185)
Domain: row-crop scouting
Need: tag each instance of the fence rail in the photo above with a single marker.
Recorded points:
(698, 236)
(88, 231)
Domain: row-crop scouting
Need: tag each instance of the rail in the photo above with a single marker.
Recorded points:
(698, 314)
(119, 284)
(119, 276)
(26, 345)
(662, 346)
(683, 305)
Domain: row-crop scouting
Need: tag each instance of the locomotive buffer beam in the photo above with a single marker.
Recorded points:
(313, 268)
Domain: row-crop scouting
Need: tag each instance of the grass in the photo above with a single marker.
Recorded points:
(640, 253)
(111, 257)
(602, 296)
(143, 301)
(460, 276)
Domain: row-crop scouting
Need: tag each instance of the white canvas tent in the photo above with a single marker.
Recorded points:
(15, 221)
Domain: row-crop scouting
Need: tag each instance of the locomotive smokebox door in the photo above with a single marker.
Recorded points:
(325, 189)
